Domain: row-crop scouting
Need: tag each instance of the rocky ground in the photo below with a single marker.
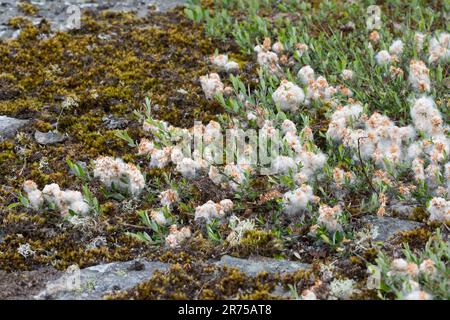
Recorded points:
(56, 12)
(108, 67)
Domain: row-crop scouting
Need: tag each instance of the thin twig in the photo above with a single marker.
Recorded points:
(134, 226)
(364, 168)
(23, 167)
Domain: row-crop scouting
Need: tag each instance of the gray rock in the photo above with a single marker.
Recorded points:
(402, 210)
(10, 126)
(281, 292)
(22, 285)
(49, 137)
(95, 282)
(112, 123)
(164, 5)
(255, 265)
(388, 227)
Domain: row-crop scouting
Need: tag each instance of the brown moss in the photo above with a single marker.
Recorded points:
(196, 281)
(371, 254)
(416, 238)
(110, 65)
(43, 126)
(365, 294)
(154, 56)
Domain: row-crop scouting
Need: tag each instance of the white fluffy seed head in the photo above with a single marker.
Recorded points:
(29, 186)
(51, 189)
(288, 126)
(236, 175)
(268, 60)
(211, 210)
(188, 168)
(288, 96)
(425, 115)
(80, 207)
(283, 164)
(294, 202)
(396, 47)
(223, 63)
(439, 48)
(125, 176)
(159, 217)
(427, 267)
(399, 265)
(306, 74)
(439, 210)
(418, 295)
(383, 58)
(419, 76)
(226, 205)
(145, 147)
(277, 47)
(347, 74)
(35, 198)
(211, 85)
(419, 39)
(328, 217)
(176, 237)
(168, 197)
(65, 200)
(70, 196)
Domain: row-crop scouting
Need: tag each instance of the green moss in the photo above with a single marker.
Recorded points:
(43, 126)
(240, 58)
(19, 22)
(20, 106)
(259, 242)
(7, 151)
(110, 76)
(419, 214)
(27, 8)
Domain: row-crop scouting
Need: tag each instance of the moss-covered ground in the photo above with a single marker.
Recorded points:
(108, 67)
